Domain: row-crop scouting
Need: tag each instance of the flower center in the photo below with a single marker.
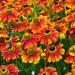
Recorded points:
(35, 20)
(30, 52)
(52, 49)
(27, 36)
(72, 51)
(4, 71)
(9, 11)
(47, 32)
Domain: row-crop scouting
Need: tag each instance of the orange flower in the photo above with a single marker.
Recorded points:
(54, 53)
(61, 26)
(29, 40)
(26, 10)
(31, 55)
(19, 26)
(10, 51)
(42, 2)
(11, 69)
(58, 7)
(71, 55)
(9, 13)
(38, 23)
(48, 71)
(48, 35)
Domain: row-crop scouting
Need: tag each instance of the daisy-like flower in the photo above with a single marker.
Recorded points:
(29, 40)
(48, 35)
(61, 26)
(70, 55)
(54, 53)
(10, 51)
(38, 23)
(42, 2)
(26, 10)
(10, 13)
(19, 26)
(48, 71)
(31, 55)
(26, 2)
(11, 69)
(57, 7)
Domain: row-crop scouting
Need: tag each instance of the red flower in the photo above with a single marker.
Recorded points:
(54, 53)
(10, 51)
(11, 69)
(20, 26)
(48, 71)
(29, 40)
(48, 35)
(57, 8)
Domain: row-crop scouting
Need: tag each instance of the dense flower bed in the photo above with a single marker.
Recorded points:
(37, 37)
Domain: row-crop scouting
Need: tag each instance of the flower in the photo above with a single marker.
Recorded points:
(38, 23)
(11, 69)
(54, 53)
(19, 25)
(70, 55)
(42, 2)
(31, 55)
(48, 35)
(10, 51)
(26, 10)
(57, 7)
(48, 71)
(29, 40)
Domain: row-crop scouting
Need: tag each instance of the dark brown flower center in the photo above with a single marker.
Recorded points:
(3, 70)
(47, 31)
(52, 48)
